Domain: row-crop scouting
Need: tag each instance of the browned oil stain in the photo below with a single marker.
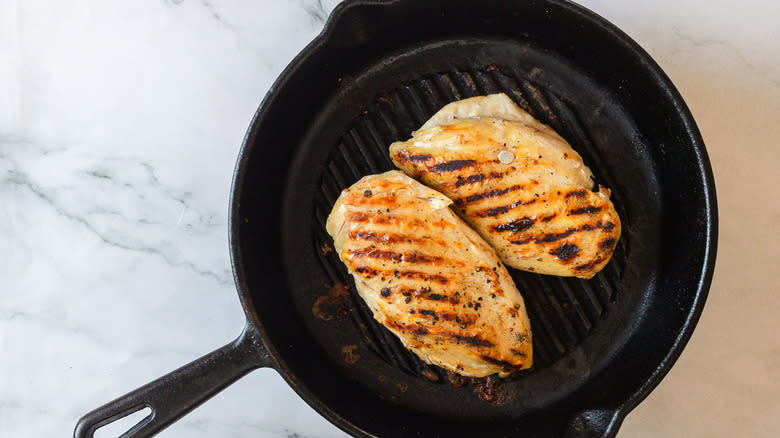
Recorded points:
(336, 304)
(350, 354)
(325, 248)
(430, 375)
(403, 387)
(386, 100)
(456, 380)
(489, 389)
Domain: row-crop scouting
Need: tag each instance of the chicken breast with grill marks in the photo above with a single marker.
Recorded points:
(429, 278)
(518, 183)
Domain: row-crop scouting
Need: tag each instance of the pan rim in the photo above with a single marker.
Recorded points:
(704, 279)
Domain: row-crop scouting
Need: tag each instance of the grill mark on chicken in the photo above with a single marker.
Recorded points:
(589, 265)
(452, 166)
(474, 340)
(607, 244)
(366, 271)
(566, 252)
(389, 238)
(548, 218)
(383, 201)
(384, 219)
(588, 209)
(496, 211)
(416, 329)
(357, 216)
(397, 273)
(408, 291)
(522, 241)
(504, 363)
(489, 194)
(517, 352)
(425, 294)
(493, 280)
(427, 312)
(579, 193)
(492, 212)
(516, 225)
(402, 257)
(552, 237)
(413, 158)
(436, 297)
(471, 179)
(462, 320)
(417, 275)
(369, 272)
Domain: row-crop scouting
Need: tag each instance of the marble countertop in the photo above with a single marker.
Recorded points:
(119, 127)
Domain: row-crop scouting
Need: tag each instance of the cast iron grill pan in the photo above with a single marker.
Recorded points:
(577, 324)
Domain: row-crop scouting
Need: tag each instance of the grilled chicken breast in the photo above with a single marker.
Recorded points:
(429, 278)
(518, 183)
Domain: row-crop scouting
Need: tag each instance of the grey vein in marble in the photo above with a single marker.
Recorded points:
(89, 217)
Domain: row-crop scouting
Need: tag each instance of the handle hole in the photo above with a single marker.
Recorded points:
(125, 424)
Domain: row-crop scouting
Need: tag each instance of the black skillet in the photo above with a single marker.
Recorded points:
(374, 74)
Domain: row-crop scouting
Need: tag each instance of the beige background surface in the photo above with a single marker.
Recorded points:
(725, 59)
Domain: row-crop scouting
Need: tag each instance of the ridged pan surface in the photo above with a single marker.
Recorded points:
(577, 324)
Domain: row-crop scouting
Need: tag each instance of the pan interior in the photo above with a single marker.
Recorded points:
(578, 325)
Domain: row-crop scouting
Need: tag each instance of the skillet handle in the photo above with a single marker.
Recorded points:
(174, 395)
(594, 423)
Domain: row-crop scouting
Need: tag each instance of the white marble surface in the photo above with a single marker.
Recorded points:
(119, 127)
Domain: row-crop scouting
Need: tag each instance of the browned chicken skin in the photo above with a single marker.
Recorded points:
(518, 183)
(429, 278)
